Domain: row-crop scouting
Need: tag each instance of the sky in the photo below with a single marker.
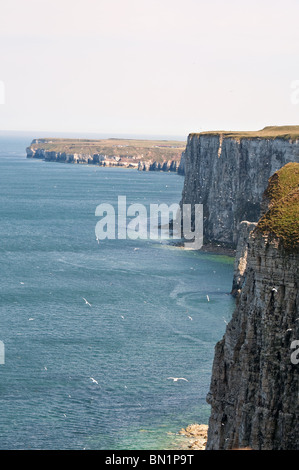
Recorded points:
(150, 67)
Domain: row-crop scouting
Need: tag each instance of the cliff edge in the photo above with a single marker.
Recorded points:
(228, 172)
(254, 389)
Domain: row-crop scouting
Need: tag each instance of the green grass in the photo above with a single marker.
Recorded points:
(283, 182)
(282, 219)
(270, 132)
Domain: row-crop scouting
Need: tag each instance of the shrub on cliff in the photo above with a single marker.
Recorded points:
(281, 220)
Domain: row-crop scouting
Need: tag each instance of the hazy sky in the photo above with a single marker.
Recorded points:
(166, 67)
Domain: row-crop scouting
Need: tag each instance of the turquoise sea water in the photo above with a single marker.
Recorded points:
(136, 332)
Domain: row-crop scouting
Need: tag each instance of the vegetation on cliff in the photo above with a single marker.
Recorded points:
(281, 220)
(269, 132)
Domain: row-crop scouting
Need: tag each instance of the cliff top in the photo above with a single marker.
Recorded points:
(156, 150)
(270, 132)
(282, 217)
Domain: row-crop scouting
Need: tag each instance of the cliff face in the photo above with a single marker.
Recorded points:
(62, 157)
(254, 392)
(89, 159)
(228, 175)
(169, 165)
(142, 155)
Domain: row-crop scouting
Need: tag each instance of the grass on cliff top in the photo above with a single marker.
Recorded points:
(270, 132)
(283, 182)
(282, 218)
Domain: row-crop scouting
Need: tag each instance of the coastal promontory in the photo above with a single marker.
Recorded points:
(144, 155)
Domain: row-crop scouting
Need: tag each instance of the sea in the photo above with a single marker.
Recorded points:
(94, 373)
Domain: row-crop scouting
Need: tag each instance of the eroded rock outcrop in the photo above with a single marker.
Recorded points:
(228, 173)
(168, 165)
(240, 262)
(197, 436)
(254, 388)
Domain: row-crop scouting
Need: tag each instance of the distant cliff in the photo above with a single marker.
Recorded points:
(254, 385)
(144, 155)
(168, 165)
(227, 172)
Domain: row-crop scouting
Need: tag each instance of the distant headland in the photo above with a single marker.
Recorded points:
(144, 155)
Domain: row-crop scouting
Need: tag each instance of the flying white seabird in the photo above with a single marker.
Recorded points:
(175, 379)
(87, 303)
